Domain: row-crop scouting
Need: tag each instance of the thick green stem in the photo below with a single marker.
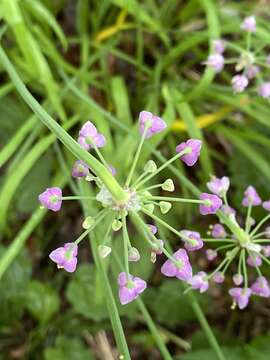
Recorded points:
(104, 174)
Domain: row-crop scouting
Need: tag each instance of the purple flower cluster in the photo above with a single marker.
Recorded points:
(245, 63)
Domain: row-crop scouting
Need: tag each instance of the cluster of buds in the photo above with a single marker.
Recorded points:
(141, 202)
(248, 61)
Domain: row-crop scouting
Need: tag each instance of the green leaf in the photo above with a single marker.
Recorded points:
(13, 288)
(42, 301)
(168, 304)
(82, 295)
(68, 349)
(235, 353)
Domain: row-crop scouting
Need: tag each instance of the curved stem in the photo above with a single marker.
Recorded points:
(110, 182)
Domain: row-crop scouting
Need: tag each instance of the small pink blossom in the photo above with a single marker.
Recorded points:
(192, 240)
(228, 210)
(219, 277)
(218, 231)
(51, 198)
(214, 203)
(240, 296)
(211, 254)
(264, 90)
(156, 124)
(215, 62)
(153, 228)
(238, 279)
(252, 71)
(239, 83)
(261, 287)
(219, 46)
(65, 257)
(266, 205)
(200, 282)
(130, 287)
(90, 137)
(251, 197)
(80, 169)
(254, 260)
(249, 24)
(179, 268)
(266, 250)
(219, 186)
(195, 149)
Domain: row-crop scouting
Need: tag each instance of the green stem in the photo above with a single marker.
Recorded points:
(163, 350)
(110, 182)
(218, 240)
(253, 232)
(173, 199)
(135, 161)
(126, 243)
(247, 225)
(167, 163)
(78, 198)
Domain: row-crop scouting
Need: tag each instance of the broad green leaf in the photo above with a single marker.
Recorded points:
(68, 349)
(42, 301)
(82, 295)
(13, 287)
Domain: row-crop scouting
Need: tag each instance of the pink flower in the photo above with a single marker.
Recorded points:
(266, 205)
(252, 71)
(228, 210)
(153, 228)
(219, 186)
(264, 90)
(239, 83)
(240, 296)
(215, 62)
(266, 250)
(90, 137)
(218, 231)
(251, 197)
(219, 46)
(192, 240)
(238, 279)
(181, 268)
(51, 198)
(156, 124)
(249, 24)
(218, 277)
(195, 148)
(130, 287)
(212, 205)
(65, 257)
(80, 169)
(254, 260)
(261, 287)
(211, 254)
(199, 281)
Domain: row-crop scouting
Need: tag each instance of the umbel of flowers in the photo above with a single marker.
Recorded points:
(244, 244)
(248, 58)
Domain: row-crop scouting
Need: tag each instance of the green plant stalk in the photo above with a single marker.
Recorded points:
(205, 326)
(110, 182)
(163, 350)
(109, 298)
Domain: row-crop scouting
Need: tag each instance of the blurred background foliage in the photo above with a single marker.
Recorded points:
(106, 61)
